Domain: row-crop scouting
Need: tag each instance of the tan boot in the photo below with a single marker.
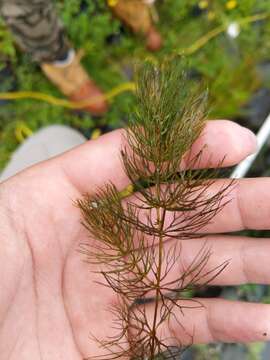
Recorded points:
(136, 14)
(73, 81)
(154, 40)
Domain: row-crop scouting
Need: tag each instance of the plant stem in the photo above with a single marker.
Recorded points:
(160, 222)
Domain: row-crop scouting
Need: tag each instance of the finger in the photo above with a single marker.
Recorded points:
(95, 163)
(245, 205)
(222, 260)
(214, 320)
(221, 140)
(248, 207)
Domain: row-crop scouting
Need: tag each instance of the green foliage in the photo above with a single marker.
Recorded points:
(255, 351)
(207, 352)
(228, 66)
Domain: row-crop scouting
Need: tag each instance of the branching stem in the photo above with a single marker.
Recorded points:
(170, 203)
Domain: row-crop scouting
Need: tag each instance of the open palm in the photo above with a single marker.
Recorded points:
(50, 301)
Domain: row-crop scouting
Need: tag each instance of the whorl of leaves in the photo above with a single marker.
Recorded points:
(138, 238)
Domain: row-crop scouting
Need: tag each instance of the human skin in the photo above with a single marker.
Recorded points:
(49, 298)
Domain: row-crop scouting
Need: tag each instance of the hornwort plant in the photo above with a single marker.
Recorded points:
(139, 236)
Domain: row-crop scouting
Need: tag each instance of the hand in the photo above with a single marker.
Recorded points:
(49, 300)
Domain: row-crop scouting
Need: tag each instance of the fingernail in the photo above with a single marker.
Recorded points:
(251, 140)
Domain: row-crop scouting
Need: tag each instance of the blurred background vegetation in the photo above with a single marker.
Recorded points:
(227, 44)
